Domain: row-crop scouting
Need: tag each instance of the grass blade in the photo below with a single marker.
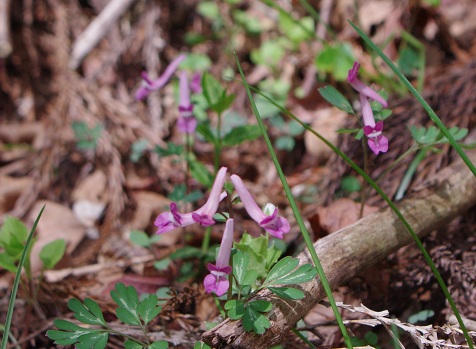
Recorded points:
(11, 303)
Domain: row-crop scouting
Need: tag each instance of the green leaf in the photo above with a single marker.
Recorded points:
(95, 340)
(235, 309)
(12, 227)
(83, 314)
(212, 90)
(335, 59)
(186, 252)
(95, 309)
(458, 133)
(337, 99)
(172, 149)
(261, 306)
(159, 345)
(7, 262)
(128, 344)
(138, 148)
(269, 54)
(204, 129)
(285, 143)
(350, 184)
(68, 326)
(422, 315)
(139, 238)
(254, 321)
(200, 173)
(240, 266)
(287, 292)
(201, 345)
(128, 301)
(241, 134)
(52, 253)
(282, 269)
(208, 9)
(224, 102)
(148, 309)
(304, 273)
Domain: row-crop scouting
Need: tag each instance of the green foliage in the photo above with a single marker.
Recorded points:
(201, 345)
(421, 316)
(86, 138)
(250, 24)
(335, 59)
(251, 313)
(269, 54)
(13, 235)
(241, 134)
(196, 62)
(297, 31)
(432, 136)
(137, 149)
(52, 253)
(130, 311)
(337, 99)
(142, 239)
(285, 273)
(172, 149)
(215, 94)
(179, 194)
(351, 184)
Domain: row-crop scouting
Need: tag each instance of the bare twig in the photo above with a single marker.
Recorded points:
(96, 30)
(349, 250)
(5, 45)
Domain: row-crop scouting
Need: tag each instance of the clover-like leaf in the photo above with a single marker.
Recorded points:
(261, 305)
(255, 321)
(148, 309)
(128, 301)
(52, 253)
(235, 308)
(287, 292)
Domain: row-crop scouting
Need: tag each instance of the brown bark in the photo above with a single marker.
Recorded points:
(346, 252)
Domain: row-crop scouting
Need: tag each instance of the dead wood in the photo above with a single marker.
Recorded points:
(5, 44)
(348, 251)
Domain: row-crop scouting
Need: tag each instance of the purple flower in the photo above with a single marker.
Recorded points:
(149, 85)
(196, 83)
(376, 141)
(361, 87)
(168, 221)
(271, 222)
(186, 122)
(217, 280)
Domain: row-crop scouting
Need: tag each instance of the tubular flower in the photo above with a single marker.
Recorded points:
(376, 141)
(149, 85)
(272, 223)
(186, 122)
(217, 280)
(168, 221)
(196, 83)
(361, 87)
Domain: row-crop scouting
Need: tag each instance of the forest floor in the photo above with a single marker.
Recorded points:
(74, 138)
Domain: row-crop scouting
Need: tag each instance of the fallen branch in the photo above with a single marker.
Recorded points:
(96, 30)
(346, 252)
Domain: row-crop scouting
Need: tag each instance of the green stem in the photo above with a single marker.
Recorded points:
(218, 146)
(409, 173)
(206, 240)
(300, 221)
(363, 194)
(303, 338)
(16, 282)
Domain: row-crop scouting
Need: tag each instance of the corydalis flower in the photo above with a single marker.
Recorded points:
(149, 85)
(376, 141)
(217, 280)
(168, 221)
(361, 87)
(272, 223)
(186, 122)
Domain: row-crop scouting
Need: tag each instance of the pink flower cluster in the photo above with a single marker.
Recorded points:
(376, 141)
(217, 280)
(186, 122)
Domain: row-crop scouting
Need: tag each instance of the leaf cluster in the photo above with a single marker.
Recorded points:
(130, 311)
(13, 235)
